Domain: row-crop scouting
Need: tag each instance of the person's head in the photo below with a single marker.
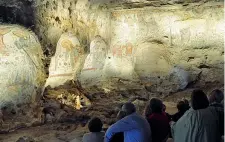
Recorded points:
(156, 105)
(187, 106)
(199, 100)
(95, 125)
(186, 101)
(181, 106)
(128, 108)
(216, 96)
(120, 115)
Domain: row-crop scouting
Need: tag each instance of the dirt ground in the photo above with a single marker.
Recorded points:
(60, 132)
(71, 132)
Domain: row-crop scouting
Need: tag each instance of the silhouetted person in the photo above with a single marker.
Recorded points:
(200, 123)
(147, 111)
(187, 104)
(95, 128)
(182, 108)
(216, 98)
(158, 121)
(134, 126)
(167, 114)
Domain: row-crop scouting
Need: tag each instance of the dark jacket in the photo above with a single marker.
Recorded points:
(118, 137)
(177, 115)
(220, 110)
(160, 127)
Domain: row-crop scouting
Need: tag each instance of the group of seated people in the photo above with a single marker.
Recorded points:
(201, 121)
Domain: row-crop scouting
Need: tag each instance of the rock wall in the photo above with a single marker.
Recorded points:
(155, 46)
(163, 46)
(17, 12)
(162, 39)
(54, 17)
(22, 71)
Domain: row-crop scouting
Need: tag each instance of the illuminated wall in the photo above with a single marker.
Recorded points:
(164, 47)
(22, 72)
(158, 39)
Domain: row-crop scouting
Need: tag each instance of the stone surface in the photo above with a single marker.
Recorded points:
(69, 94)
(80, 17)
(22, 72)
(153, 49)
(25, 139)
(66, 62)
(12, 12)
(147, 40)
(92, 72)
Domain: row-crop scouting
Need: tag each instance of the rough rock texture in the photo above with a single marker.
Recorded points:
(153, 49)
(25, 139)
(66, 62)
(17, 12)
(78, 16)
(146, 40)
(22, 78)
(92, 72)
(145, 44)
(22, 71)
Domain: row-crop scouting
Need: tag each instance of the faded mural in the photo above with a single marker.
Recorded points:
(22, 72)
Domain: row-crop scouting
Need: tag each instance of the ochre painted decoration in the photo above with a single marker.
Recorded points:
(96, 58)
(95, 61)
(22, 73)
(67, 60)
(122, 50)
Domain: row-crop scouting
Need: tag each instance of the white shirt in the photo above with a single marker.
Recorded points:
(94, 137)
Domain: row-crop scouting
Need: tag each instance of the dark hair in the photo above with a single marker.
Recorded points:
(129, 108)
(199, 100)
(147, 110)
(187, 106)
(164, 107)
(216, 96)
(121, 115)
(95, 125)
(156, 105)
(181, 106)
(186, 101)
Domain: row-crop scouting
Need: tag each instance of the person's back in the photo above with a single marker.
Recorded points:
(200, 123)
(197, 126)
(134, 126)
(182, 108)
(95, 128)
(158, 121)
(159, 126)
(216, 98)
(119, 137)
(141, 131)
(93, 137)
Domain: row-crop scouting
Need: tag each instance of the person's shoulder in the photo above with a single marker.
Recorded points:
(87, 135)
(91, 134)
(101, 133)
(217, 105)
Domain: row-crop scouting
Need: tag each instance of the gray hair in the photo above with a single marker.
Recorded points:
(129, 108)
